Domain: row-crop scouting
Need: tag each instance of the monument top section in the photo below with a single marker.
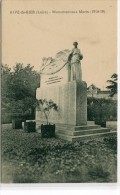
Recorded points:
(64, 67)
(53, 70)
(53, 65)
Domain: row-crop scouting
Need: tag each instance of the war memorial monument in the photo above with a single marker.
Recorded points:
(61, 81)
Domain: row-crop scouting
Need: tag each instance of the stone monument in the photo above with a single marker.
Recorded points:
(61, 81)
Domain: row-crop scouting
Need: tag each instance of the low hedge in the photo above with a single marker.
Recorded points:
(8, 117)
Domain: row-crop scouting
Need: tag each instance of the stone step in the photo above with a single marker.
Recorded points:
(82, 137)
(87, 127)
(83, 132)
(76, 128)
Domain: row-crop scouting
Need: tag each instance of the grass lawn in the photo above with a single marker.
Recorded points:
(28, 158)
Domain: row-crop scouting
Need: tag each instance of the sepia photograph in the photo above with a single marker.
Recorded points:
(59, 91)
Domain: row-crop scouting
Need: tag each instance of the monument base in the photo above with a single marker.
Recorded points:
(74, 133)
(77, 133)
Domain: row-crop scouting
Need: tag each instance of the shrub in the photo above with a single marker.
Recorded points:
(101, 108)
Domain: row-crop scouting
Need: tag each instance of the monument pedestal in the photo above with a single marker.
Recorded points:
(71, 99)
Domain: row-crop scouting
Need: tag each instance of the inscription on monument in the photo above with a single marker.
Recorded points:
(54, 79)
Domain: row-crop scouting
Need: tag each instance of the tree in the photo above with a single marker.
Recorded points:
(5, 79)
(19, 88)
(113, 85)
(24, 82)
(46, 107)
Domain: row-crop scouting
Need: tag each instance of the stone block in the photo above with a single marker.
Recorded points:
(71, 99)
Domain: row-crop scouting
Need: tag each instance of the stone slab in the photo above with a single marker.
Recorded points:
(83, 132)
(83, 137)
(76, 128)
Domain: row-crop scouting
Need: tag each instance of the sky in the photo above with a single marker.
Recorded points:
(27, 38)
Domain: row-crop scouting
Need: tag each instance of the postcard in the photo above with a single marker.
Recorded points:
(59, 92)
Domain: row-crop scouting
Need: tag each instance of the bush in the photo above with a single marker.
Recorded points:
(7, 117)
(101, 109)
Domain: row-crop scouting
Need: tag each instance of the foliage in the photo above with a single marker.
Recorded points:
(29, 158)
(23, 106)
(5, 81)
(101, 109)
(46, 107)
(24, 82)
(112, 142)
(19, 89)
(113, 85)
